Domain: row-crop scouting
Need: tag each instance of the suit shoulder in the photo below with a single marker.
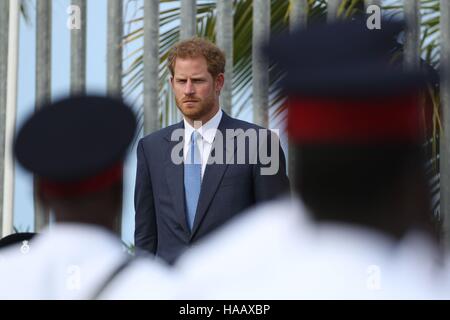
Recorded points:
(244, 125)
(157, 136)
(241, 124)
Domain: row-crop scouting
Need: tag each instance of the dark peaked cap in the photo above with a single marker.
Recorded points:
(76, 138)
(342, 59)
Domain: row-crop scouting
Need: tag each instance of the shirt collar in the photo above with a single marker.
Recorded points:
(208, 130)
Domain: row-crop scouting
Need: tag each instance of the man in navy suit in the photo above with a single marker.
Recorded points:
(194, 176)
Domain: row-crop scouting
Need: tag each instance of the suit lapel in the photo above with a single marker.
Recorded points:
(175, 178)
(213, 175)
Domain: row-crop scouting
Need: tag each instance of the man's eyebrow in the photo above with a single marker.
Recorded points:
(192, 78)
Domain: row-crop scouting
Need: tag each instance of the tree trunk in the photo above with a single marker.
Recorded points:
(298, 19)
(372, 2)
(412, 45)
(261, 33)
(4, 29)
(43, 84)
(10, 116)
(151, 66)
(444, 161)
(114, 62)
(299, 14)
(188, 18)
(114, 47)
(224, 31)
(332, 10)
(78, 52)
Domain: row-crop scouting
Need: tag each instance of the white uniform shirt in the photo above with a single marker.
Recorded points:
(72, 262)
(276, 252)
(208, 133)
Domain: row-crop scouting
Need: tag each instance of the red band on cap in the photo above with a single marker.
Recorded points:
(83, 187)
(313, 120)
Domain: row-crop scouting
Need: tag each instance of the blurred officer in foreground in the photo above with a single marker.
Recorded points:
(76, 149)
(362, 230)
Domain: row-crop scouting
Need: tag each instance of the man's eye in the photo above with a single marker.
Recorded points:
(181, 81)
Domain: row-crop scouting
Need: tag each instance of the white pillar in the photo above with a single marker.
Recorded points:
(11, 106)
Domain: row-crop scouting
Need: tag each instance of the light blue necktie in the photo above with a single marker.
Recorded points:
(192, 178)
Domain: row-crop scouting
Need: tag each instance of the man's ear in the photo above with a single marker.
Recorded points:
(220, 80)
(171, 81)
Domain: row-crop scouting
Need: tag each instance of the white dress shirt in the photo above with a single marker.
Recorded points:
(207, 132)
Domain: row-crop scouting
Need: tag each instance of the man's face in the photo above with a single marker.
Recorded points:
(196, 92)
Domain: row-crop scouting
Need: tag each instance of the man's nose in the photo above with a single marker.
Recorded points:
(189, 89)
